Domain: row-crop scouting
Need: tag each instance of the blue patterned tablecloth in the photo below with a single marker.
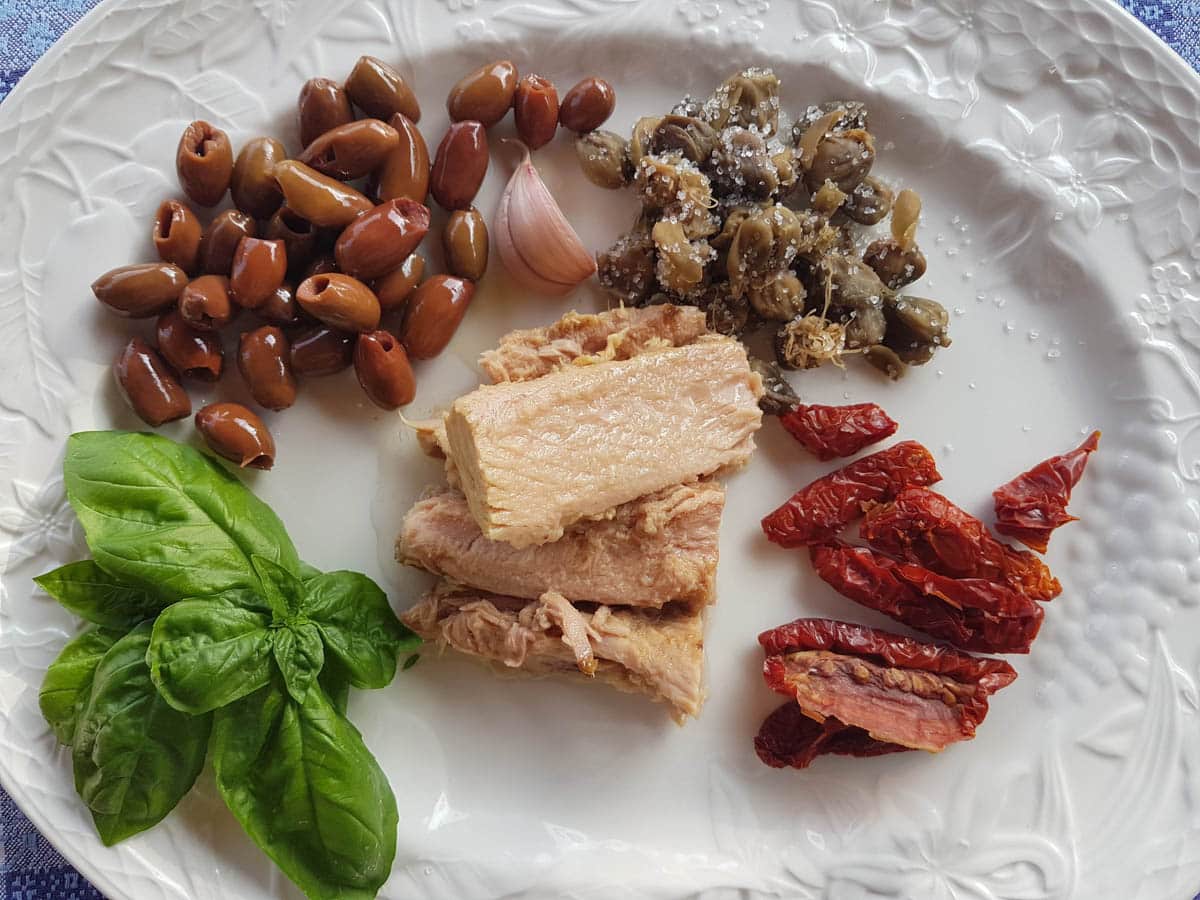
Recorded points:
(30, 869)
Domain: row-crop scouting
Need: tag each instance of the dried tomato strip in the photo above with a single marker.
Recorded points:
(817, 513)
(1034, 503)
(921, 526)
(828, 432)
(789, 738)
(971, 613)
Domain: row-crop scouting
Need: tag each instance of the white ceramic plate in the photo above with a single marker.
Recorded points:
(1055, 146)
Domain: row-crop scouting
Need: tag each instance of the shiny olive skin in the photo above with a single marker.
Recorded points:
(535, 108)
(377, 242)
(459, 165)
(141, 290)
(253, 187)
(340, 302)
(192, 352)
(149, 385)
(394, 288)
(204, 163)
(298, 235)
(320, 265)
(177, 234)
(238, 434)
(351, 150)
(587, 105)
(323, 105)
(321, 350)
(405, 171)
(484, 94)
(281, 307)
(259, 267)
(206, 303)
(465, 243)
(264, 359)
(379, 90)
(322, 200)
(383, 369)
(433, 314)
(221, 239)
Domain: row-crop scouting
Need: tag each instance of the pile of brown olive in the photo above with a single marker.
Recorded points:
(755, 222)
(321, 248)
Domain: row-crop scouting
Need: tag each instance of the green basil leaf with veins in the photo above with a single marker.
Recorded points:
(299, 655)
(167, 518)
(91, 593)
(336, 684)
(207, 653)
(308, 791)
(358, 626)
(68, 681)
(281, 589)
(134, 756)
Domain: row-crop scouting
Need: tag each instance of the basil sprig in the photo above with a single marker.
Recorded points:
(210, 635)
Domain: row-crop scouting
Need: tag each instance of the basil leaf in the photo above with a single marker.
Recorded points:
(300, 656)
(91, 593)
(358, 626)
(134, 755)
(206, 653)
(68, 681)
(280, 587)
(305, 571)
(336, 684)
(167, 518)
(308, 791)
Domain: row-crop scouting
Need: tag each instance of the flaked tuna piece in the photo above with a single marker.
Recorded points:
(617, 334)
(659, 653)
(536, 456)
(651, 551)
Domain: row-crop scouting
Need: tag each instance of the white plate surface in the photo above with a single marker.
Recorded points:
(1054, 143)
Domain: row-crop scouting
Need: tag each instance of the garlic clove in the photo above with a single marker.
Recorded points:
(534, 240)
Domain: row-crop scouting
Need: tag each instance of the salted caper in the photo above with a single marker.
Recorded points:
(604, 159)
(895, 264)
(886, 361)
(869, 202)
(916, 327)
(626, 269)
(778, 396)
(843, 157)
(854, 115)
(749, 98)
(691, 137)
(779, 297)
(744, 165)
(679, 267)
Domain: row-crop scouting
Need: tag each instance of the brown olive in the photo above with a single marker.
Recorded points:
(204, 162)
(323, 105)
(895, 265)
(281, 307)
(298, 235)
(405, 171)
(141, 290)
(535, 108)
(587, 105)
(259, 267)
(377, 242)
(253, 187)
(238, 434)
(320, 265)
(177, 235)
(340, 302)
(379, 90)
(459, 165)
(192, 352)
(351, 150)
(263, 360)
(869, 203)
(484, 94)
(465, 243)
(433, 314)
(320, 350)
(604, 159)
(383, 369)
(322, 200)
(221, 239)
(394, 288)
(149, 385)
(206, 304)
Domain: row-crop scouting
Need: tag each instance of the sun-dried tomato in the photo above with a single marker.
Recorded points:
(894, 689)
(818, 512)
(828, 432)
(1034, 503)
(790, 738)
(923, 527)
(971, 613)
